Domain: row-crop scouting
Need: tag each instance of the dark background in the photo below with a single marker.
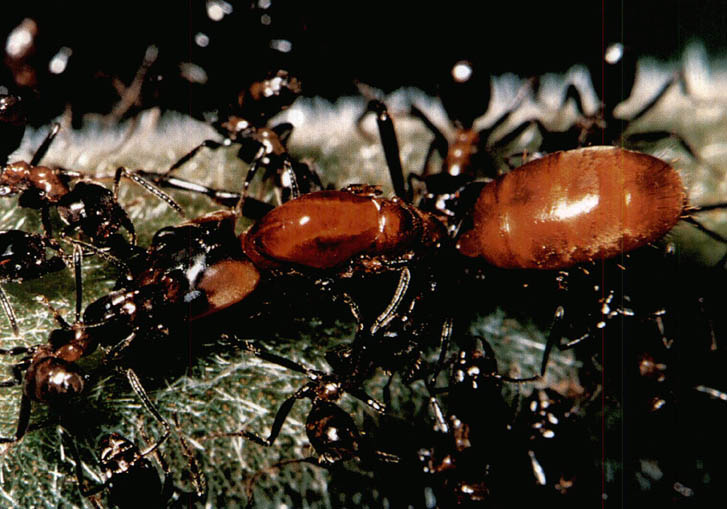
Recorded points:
(386, 44)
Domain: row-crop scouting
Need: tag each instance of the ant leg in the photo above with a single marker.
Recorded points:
(675, 78)
(290, 181)
(116, 262)
(141, 393)
(151, 188)
(362, 396)
(441, 423)
(265, 355)
(131, 94)
(56, 314)
(84, 486)
(439, 143)
(519, 97)
(251, 171)
(198, 478)
(554, 337)
(280, 418)
(23, 421)
(387, 133)
(445, 339)
(211, 144)
(384, 318)
(8, 308)
(43, 149)
(253, 479)
(699, 226)
(77, 262)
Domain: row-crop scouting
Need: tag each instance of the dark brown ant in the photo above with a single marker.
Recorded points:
(247, 126)
(558, 449)
(332, 432)
(619, 70)
(87, 206)
(48, 373)
(130, 478)
(24, 256)
(472, 461)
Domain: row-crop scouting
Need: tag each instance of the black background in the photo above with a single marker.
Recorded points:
(386, 44)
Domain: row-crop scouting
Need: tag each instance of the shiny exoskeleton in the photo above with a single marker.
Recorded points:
(86, 206)
(331, 431)
(472, 461)
(343, 231)
(573, 207)
(470, 153)
(24, 256)
(246, 124)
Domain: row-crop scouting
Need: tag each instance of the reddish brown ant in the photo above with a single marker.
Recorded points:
(87, 206)
(575, 207)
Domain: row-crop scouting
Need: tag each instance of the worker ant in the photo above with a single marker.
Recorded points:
(130, 478)
(470, 154)
(48, 372)
(247, 126)
(472, 460)
(619, 70)
(331, 431)
(87, 206)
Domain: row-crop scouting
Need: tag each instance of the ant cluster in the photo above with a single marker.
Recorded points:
(413, 272)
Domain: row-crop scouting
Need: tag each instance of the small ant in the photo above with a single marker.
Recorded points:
(246, 125)
(331, 431)
(130, 478)
(48, 373)
(88, 206)
(471, 152)
(473, 457)
(619, 72)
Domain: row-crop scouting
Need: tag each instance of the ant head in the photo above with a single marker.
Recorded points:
(465, 94)
(12, 125)
(268, 97)
(55, 380)
(113, 448)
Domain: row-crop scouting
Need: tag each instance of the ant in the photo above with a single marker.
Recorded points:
(246, 125)
(130, 478)
(473, 456)
(578, 203)
(620, 70)
(331, 431)
(24, 256)
(88, 206)
(48, 373)
(471, 151)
